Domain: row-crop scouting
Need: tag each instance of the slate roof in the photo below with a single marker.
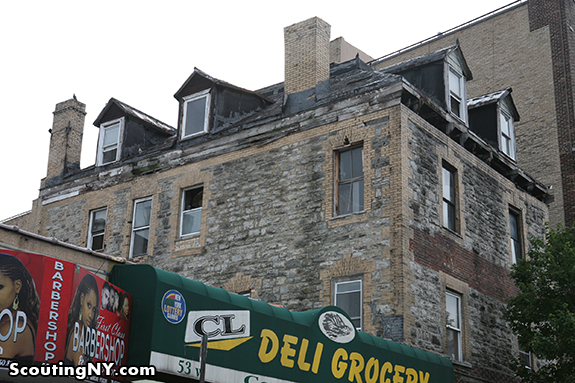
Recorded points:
(127, 109)
(491, 98)
(429, 58)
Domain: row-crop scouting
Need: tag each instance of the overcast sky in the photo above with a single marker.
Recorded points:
(141, 52)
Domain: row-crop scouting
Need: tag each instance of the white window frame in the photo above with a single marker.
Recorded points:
(141, 228)
(117, 145)
(449, 200)
(457, 330)
(515, 241)
(194, 210)
(525, 355)
(91, 223)
(459, 97)
(504, 137)
(196, 96)
(360, 290)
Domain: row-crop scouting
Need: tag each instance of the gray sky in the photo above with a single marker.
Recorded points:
(141, 52)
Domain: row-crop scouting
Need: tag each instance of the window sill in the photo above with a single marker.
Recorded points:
(188, 236)
(188, 245)
(452, 232)
(184, 138)
(461, 364)
(347, 215)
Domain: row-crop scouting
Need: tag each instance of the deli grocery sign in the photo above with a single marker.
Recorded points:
(251, 341)
(59, 311)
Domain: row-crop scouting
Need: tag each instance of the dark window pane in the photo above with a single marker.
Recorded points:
(140, 246)
(350, 303)
(195, 116)
(345, 165)
(193, 198)
(109, 156)
(98, 242)
(513, 226)
(448, 216)
(455, 105)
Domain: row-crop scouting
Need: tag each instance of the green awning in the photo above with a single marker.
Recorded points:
(251, 341)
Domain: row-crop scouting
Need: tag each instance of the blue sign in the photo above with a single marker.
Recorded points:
(173, 306)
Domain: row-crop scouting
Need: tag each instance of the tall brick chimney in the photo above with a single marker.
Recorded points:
(306, 55)
(66, 138)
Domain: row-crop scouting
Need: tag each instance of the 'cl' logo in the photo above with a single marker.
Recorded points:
(217, 324)
(222, 325)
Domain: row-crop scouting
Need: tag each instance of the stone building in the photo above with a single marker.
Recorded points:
(527, 47)
(343, 185)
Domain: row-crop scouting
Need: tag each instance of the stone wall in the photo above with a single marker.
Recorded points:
(473, 262)
(269, 226)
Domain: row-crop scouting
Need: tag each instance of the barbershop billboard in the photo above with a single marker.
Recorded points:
(253, 342)
(55, 311)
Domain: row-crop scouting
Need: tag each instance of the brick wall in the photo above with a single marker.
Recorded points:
(505, 50)
(66, 138)
(307, 52)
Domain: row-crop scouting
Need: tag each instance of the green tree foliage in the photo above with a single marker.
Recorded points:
(543, 313)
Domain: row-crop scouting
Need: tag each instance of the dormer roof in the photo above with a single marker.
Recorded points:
(453, 51)
(115, 109)
(200, 80)
(494, 97)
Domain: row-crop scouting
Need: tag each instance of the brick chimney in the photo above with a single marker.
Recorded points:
(306, 55)
(66, 138)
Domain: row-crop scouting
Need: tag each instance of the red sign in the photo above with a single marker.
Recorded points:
(53, 310)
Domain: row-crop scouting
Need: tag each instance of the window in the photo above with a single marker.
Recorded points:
(524, 357)
(196, 111)
(141, 227)
(97, 229)
(349, 180)
(453, 321)
(449, 199)
(507, 136)
(109, 142)
(515, 236)
(457, 101)
(191, 217)
(348, 297)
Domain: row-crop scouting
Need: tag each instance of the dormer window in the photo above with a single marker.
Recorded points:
(457, 93)
(109, 142)
(196, 114)
(506, 134)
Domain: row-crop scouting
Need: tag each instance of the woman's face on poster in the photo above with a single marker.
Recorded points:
(105, 298)
(8, 291)
(88, 302)
(126, 307)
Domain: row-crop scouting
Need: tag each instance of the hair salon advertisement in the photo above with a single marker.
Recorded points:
(54, 311)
